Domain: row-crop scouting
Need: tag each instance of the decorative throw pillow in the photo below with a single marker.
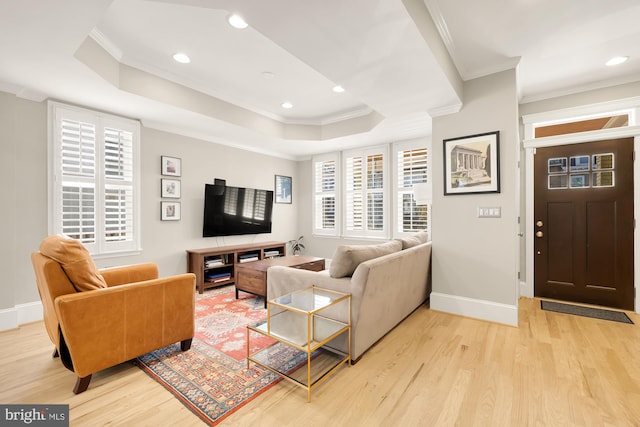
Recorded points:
(415, 240)
(75, 261)
(347, 257)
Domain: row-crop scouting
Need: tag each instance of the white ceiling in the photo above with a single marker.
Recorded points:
(400, 61)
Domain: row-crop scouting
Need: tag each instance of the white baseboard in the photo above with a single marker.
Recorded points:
(477, 309)
(526, 291)
(20, 314)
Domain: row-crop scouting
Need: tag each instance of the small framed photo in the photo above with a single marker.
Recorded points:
(283, 189)
(171, 166)
(170, 188)
(472, 164)
(170, 211)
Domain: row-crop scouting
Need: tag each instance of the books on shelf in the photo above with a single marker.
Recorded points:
(217, 277)
(248, 257)
(215, 261)
(271, 254)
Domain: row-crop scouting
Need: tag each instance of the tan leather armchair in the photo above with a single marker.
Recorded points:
(134, 314)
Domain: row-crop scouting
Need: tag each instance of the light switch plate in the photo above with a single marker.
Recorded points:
(489, 212)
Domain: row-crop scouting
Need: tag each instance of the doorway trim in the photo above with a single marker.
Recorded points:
(530, 144)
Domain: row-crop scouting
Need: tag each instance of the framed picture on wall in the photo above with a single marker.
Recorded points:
(170, 211)
(283, 189)
(472, 164)
(170, 166)
(170, 188)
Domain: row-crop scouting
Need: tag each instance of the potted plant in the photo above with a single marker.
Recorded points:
(296, 245)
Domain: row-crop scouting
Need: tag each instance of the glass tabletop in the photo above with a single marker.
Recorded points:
(310, 299)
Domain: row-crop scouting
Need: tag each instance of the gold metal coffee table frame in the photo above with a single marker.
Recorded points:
(306, 320)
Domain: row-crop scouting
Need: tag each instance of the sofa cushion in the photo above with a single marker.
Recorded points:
(414, 240)
(75, 260)
(347, 257)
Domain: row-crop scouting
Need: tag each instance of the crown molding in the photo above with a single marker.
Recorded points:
(507, 64)
(203, 136)
(22, 92)
(600, 84)
(445, 35)
(106, 44)
(445, 110)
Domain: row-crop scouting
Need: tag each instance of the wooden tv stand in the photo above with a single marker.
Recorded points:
(215, 267)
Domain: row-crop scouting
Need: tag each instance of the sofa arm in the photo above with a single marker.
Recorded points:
(105, 327)
(115, 276)
(284, 280)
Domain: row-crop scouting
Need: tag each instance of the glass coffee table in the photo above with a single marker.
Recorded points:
(310, 323)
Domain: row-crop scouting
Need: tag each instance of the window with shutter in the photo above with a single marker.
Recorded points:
(412, 167)
(325, 187)
(365, 186)
(353, 193)
(93, 172)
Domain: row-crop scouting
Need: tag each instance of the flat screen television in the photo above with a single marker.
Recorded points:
(236, 210)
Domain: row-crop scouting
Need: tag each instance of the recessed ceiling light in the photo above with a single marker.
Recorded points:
(268, 74)
(287, 105)
(617, 60)
(338, 89)
(182, 58)
(236, 21)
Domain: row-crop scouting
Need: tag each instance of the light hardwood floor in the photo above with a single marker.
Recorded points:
(434, 369)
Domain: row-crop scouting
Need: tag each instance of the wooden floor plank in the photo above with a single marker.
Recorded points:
(433, 369)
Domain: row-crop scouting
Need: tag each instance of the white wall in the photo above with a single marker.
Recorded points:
(475, 260)
(23, 126)
(165, 242)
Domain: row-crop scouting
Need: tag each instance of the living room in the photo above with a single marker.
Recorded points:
(494, 258)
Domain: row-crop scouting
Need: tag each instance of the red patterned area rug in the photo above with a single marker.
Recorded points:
(212, 379)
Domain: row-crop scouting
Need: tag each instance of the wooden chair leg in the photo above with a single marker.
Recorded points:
(185, 344)
(82, 384)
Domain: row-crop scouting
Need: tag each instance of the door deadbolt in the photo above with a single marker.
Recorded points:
(539, 224)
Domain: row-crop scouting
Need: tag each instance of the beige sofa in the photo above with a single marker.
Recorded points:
(387, 282)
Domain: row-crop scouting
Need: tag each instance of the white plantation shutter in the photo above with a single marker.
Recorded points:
(76, 163)
(375, 192)
(365, 187)
(118, 180)
(353, 194)
(94, 179)
(325, 188)
(412, 167)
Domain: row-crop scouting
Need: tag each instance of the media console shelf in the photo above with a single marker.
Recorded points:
(216, 266)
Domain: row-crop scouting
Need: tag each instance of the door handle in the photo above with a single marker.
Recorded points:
(539, 234)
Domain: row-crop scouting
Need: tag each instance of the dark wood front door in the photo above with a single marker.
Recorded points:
(583, 223)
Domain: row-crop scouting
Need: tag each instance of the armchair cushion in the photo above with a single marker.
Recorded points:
(75, 261)
(347, 257)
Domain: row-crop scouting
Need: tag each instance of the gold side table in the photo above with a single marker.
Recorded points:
(310, 321)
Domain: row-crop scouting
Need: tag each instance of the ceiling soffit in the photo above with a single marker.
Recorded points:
(150, 86)
(378, 70)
